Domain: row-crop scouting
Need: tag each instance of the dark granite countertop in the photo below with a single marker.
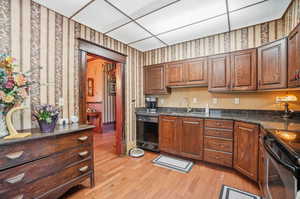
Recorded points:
(59, 130)
(268, 119)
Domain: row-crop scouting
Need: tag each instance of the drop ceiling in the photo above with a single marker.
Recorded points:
(150, 24)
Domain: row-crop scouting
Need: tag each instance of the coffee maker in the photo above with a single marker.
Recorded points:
(151, 104)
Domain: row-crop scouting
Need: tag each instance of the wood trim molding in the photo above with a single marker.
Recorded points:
(89, 47)
(104, 52)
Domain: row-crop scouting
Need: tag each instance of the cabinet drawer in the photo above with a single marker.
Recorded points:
(27, 173)
(226, 124)
(73, 140)
(218, 157)
(218, 144)
(12, 155)
(37, 188)
(222, 133)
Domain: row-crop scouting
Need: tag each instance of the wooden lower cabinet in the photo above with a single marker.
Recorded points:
(191, 138)
(168, 134)
(223, 142)
(261, 162)
(218, 143)
(246, 149)
(181, 136)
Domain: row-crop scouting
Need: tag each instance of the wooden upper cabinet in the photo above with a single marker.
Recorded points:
(168, 134)
(154, 80)
(294, 58)
(245, 157)
(243, 70)
(191, 138)
(196, 72)
(272, 65)
(219, 73)
(175, 74)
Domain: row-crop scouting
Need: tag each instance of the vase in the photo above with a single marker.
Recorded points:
(46, 127)
(3, 126)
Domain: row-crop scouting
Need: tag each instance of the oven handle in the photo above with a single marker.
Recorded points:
(276, 158)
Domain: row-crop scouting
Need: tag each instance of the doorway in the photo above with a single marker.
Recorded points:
(115, 65)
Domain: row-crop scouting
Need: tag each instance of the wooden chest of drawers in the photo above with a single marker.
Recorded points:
(47, 166)
(218, 142)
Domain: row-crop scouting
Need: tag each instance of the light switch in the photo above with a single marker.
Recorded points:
(236, 100)
(214, 100)
(61, 101)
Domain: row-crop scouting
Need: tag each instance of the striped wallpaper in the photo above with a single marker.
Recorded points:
(244, 38)
(37, 36)
(109, 100)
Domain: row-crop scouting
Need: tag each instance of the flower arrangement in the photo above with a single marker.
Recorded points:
(47, 116)
(46, 112)
(14, 86)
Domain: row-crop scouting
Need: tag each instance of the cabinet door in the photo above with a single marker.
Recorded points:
(196, 72)
(245, 157)
(272, 65)
(174, 74)
(294, 58)
(243, 70)
(191, 138)
(168, 132)
(155, 80)
(219, 73)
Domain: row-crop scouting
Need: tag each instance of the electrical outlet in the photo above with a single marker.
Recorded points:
(214, 100)
(162, 101)
(236, 100)
(195, 100)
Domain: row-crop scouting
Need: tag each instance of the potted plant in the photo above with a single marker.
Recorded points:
(14, 89)
(47, 116)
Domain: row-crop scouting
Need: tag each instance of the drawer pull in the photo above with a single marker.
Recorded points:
(15, 179)
(14, 155)
(196, 123)
(84, 169)
(83, 153)
(21, 196)
(83, 138)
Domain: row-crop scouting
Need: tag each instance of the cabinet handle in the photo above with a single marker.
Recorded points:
(14, 155)
(15, 179)
(84, 169)
(186, 122)
(21, 196)
(83, 153)
(83, 138)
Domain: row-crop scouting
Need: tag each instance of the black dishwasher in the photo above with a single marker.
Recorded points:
(147, 132)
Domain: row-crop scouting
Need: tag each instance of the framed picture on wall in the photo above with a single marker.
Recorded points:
(90, 87)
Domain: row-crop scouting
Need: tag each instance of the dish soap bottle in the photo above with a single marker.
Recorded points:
(207, 109)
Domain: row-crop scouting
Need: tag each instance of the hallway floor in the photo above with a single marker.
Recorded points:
(129, 178)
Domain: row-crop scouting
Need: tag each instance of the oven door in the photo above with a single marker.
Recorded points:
(280, 180)
(147, 135)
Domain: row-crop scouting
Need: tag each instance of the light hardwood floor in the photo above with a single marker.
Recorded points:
(129, 178)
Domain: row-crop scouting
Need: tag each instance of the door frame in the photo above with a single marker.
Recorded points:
(120, 60)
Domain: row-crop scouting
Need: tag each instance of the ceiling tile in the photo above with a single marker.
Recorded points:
(137, 8)
(182, 13)
(260, 13)
(147, 44)
(100, 16)
(129, 33)
(210, 27)
(65, 7)
(237, 4)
